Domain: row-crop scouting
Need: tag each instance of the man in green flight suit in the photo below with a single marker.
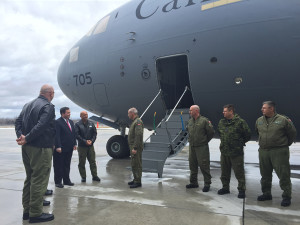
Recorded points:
(201, 131)
(234, 133)
(276, 133)
(136, 145)
(86, 133)
(35, 129)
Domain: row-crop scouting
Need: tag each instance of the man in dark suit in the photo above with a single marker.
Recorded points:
(65, 143)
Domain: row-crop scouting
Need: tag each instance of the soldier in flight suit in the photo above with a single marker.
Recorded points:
(276, 134)
(136, 145)
(86, 134)
(201, 131)
(35, 129)
(234, 133)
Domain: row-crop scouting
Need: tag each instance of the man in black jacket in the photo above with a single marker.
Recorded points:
(65, 143)
(35, 129)
(86, 135)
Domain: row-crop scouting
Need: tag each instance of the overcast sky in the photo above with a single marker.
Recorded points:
(35, 35)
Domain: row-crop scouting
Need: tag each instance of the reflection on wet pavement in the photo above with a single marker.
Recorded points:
(160, 200)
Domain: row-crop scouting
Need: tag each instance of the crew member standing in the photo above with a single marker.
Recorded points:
(65, 143)
(201, 131)
(86, 134)
(234, 133)
(35, 129)
(136, 145)
(276, 133)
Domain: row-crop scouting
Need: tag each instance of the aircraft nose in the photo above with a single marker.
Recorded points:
(65, 71)
(62, 75)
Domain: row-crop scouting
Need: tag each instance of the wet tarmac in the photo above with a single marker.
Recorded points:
(159, 201)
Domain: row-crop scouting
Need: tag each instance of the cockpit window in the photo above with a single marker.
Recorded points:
(74, 54)
(101, 25)
(91, 30)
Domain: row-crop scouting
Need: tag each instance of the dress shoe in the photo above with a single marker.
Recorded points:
(136, 185)
(223, 191)
(69, 184)
(264, 197)
(96, 179)
(42, 218)
(205, 189)
(49, 192)
(59, 185)
(25, 216)
(188, 186)
(131, 182)
(242, 194)
(286, 202)
(46, 203)
(83, 180)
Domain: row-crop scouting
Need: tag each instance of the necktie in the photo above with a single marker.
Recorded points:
(69, 125)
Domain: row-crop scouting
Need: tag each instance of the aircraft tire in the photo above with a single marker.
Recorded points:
(117, 147)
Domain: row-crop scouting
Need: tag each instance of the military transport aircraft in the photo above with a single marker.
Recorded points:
(162, 56)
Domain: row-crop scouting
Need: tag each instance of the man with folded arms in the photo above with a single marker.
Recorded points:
(86, 134)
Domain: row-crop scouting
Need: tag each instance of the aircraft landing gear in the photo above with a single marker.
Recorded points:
(117, 147)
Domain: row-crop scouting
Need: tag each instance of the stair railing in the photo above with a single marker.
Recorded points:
(149, 107)
(150, 104)
(169, 136)
(166, 121)
(185, 90)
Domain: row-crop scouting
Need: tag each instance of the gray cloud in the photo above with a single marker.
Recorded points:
(35, 35)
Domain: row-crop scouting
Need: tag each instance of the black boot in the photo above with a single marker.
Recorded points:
(223, 191)
(241, 194)
(46, 203)
(42, 218)
(136, 185)
(49, 192)
(286, 202)
(188, 186)
(96, 178)
(25, 216)
(205, 189)
(264, 197)
(131, 182)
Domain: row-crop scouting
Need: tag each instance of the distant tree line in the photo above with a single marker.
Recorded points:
(11, 121)
(7, 121)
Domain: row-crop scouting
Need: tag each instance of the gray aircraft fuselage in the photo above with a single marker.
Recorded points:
(226, 51)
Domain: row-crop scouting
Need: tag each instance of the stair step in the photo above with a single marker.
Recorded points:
(175, 118)
(178, 111)
(172, 125)
(161, 146)
(172, 131)
(156, 157)
(161, 138)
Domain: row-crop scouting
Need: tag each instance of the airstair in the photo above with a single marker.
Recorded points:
(168, 139)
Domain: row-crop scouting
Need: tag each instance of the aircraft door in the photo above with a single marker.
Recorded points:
(173, 77)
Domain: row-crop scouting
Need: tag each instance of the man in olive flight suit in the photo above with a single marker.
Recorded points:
(136, 145)
(276, 133)
(201, 131)
(86, 134)
(234, 133)
(35, 129)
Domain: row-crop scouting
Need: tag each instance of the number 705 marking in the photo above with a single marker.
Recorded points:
(83, 79)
